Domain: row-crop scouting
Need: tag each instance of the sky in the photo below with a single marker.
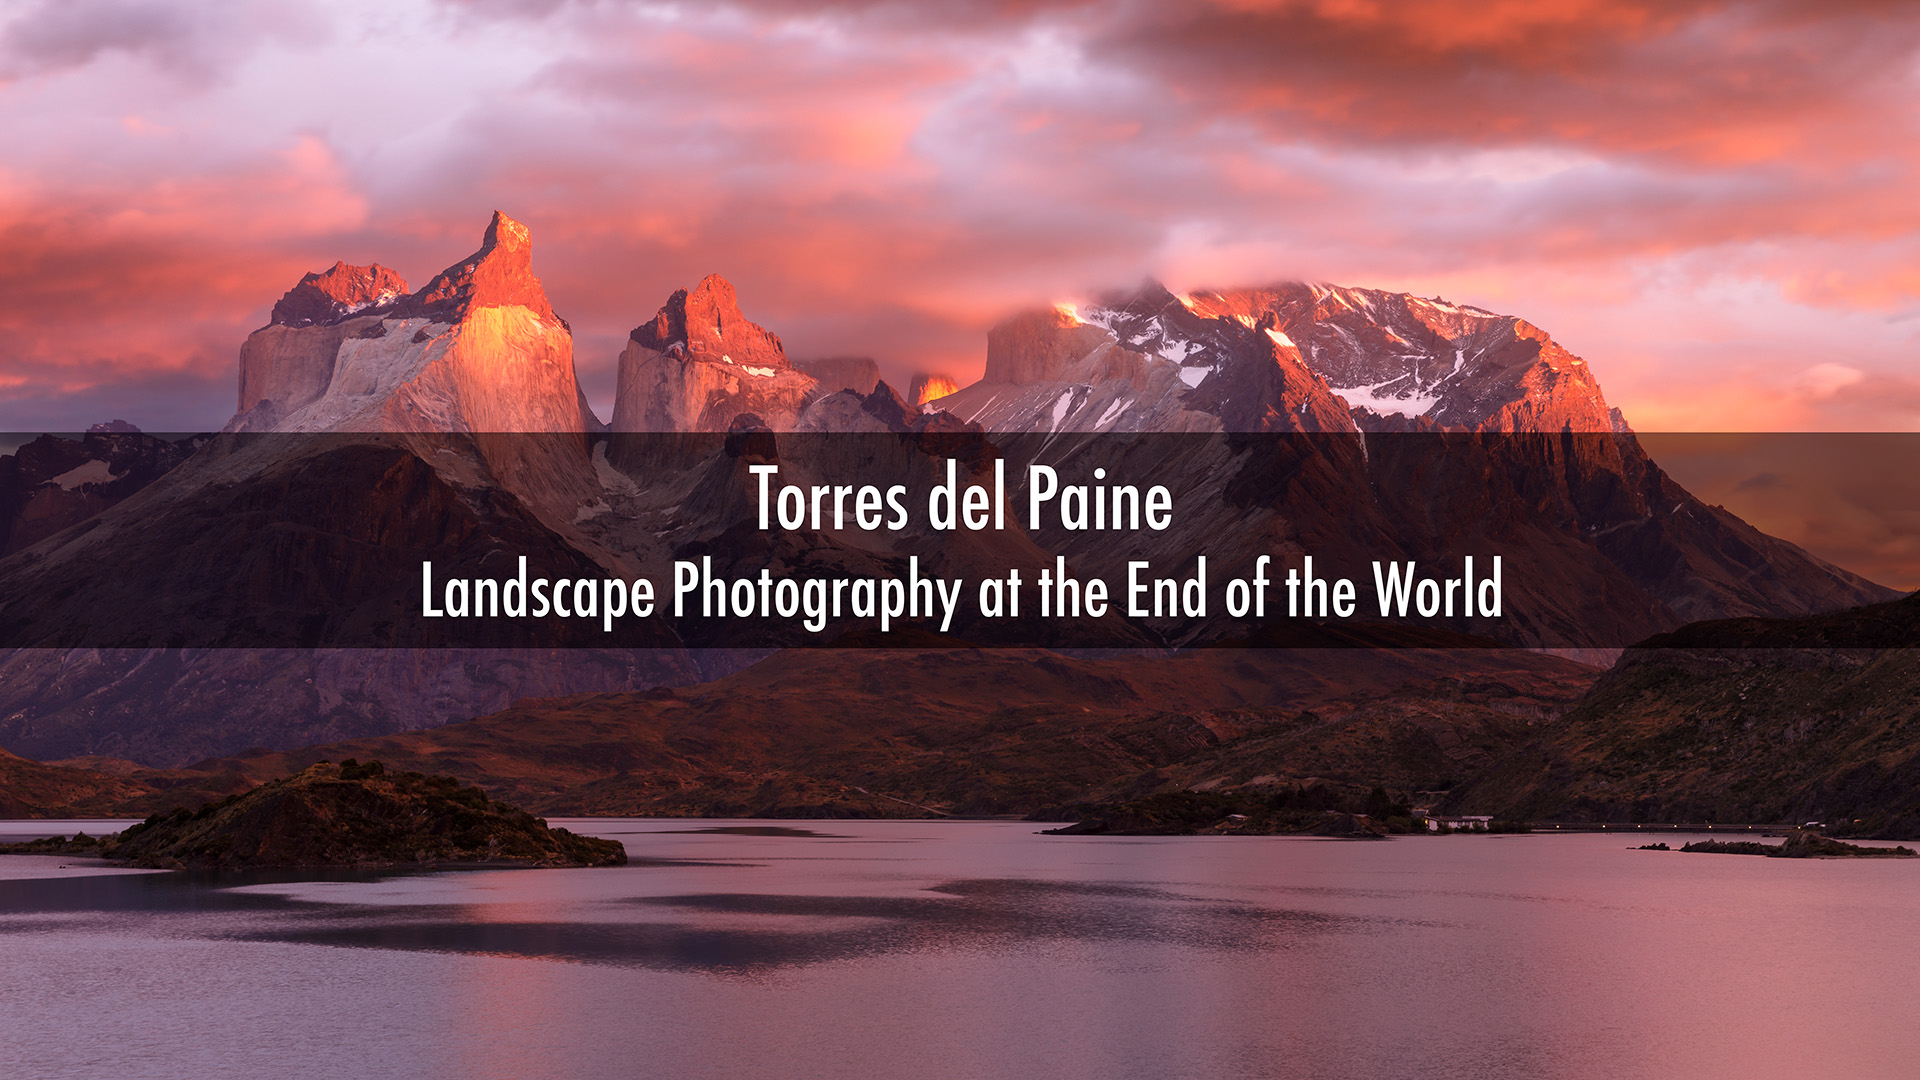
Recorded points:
(1713, 203)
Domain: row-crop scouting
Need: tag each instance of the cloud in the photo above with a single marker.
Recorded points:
(1696, 196)
(196, 42)
(1842, 495)
(108, 287)
(1762, 482)
(1826, 380)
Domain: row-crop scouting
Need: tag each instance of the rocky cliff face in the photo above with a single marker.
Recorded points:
(700, 364)
(289, 362)
(387, 423)
(928, 387)
(1426, 428)
(835, 373)
(1292, 357)
(52, 483)
(478, 349)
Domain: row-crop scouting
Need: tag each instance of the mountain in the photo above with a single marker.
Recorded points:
(964, 731)
(1398, 427)
(375, 424)
(478, 349)
(700, 364)
(859, 374)
(1748, 720)
(1289, 357)
(289, 363)
(379, 428)
(928, 387)
(52, 483)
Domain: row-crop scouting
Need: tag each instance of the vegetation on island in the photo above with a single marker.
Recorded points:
(1800, 844)
(350, 814)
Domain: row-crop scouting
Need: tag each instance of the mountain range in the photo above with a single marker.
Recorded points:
(148, 585)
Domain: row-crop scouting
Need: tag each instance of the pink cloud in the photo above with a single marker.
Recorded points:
(1705, 199)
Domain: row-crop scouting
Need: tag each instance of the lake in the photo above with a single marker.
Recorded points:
(952, 950)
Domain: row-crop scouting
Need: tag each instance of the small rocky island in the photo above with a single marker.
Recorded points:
(350, 814)
(1800, 844)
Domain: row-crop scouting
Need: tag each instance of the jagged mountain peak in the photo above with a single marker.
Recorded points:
(705, 323)
(1394, 358)
(478, 349)
(699, 363)
(500, 274)
(506, 234)
(339, 293)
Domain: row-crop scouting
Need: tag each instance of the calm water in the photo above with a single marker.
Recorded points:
(956, 950)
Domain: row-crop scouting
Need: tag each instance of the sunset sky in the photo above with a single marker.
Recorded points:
(1715, 204)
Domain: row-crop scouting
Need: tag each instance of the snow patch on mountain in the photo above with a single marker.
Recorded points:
(91, 472)
(1061, 409)
(1407, 403)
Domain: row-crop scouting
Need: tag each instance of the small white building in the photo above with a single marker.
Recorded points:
(1464, 823)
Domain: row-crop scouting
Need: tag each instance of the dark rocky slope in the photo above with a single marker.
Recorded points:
(1744, 720)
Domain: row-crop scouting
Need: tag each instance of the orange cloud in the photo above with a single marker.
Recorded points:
(1705, 199)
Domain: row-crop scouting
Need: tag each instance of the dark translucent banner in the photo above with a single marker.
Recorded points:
(756, 539)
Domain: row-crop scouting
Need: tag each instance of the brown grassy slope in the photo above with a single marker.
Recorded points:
(29, 789)
(896, 733)
(1424, 737)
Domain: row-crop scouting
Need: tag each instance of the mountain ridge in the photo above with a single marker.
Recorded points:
(381, 378)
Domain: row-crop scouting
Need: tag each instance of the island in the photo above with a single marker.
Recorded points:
(350, 814)
(1800, 844)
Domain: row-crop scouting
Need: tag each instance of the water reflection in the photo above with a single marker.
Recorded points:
(787, 930)
(919, 950)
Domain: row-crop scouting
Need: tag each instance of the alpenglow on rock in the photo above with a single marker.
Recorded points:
(478, 349)
(1290, 357)
(289, 362)
(699, 364)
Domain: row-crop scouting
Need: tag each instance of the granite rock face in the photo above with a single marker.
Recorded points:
(370, 419)
(339, 293)
(859, 374)
(699, 364)
(479, 349)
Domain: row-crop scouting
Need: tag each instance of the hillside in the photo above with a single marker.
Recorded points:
(1814, 719)
(966, 732)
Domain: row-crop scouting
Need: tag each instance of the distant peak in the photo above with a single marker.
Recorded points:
(339, 293)
(928, 386)
(507, 234)
(716, 291)
(705, 323)
(500, 274)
